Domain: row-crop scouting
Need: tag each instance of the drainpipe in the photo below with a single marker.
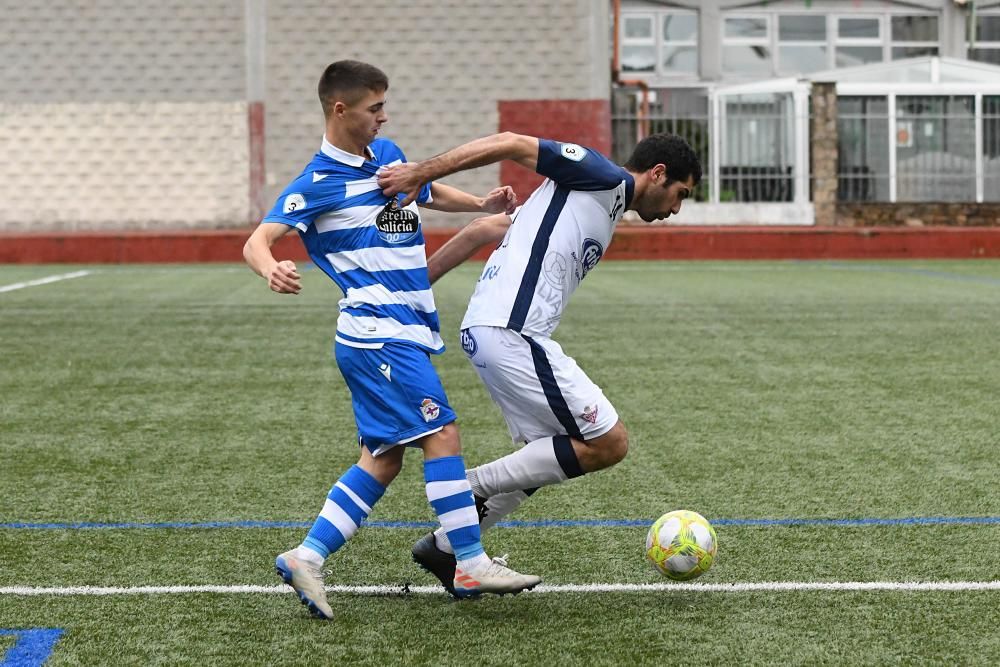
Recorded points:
(615, 74)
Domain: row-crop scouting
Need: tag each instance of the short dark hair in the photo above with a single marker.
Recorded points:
(670, 150)
(347, 81)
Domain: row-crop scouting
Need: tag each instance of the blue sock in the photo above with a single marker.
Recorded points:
(349, 503)
(451, 497)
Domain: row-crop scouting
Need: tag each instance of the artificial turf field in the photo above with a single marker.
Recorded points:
(838, 422)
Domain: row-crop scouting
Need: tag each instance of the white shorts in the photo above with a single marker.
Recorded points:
(541, 391)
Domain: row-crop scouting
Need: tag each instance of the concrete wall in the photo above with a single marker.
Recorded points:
(140, 114)
(118, 115)
(449, 63)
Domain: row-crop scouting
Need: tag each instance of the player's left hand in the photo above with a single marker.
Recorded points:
(500, 200)
(400, 178)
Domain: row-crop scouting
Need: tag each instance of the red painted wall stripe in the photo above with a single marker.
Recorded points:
(255, 127)
(584, 122)
(677, 243)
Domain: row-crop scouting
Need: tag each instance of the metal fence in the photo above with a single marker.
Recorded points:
(756, 151)
(946, 148)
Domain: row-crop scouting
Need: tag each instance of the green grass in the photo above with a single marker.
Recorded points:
(750, 390)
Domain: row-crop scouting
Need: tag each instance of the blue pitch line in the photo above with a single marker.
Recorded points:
(542, 523)
(32, 646)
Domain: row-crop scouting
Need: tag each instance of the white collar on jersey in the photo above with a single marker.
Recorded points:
(343, 156)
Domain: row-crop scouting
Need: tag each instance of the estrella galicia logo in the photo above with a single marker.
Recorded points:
(396, 225)
(469, 343)
(591, 255)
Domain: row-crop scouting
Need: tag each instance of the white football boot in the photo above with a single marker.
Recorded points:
(307, 580)
(493, 578)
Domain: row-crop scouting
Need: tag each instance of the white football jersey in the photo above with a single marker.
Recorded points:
(557, 237)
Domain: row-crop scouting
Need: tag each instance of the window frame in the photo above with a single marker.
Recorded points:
(993, 45)
(882, 41)
(639, 41)
(661, 42)
(658, 42)
(767, 41)
(892, 43)
(778, 42)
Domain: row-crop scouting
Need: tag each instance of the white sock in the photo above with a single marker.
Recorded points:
(474, 564)
(500, 507)
(441, 540)
(497, 508)
(309, 555)
(539, 463)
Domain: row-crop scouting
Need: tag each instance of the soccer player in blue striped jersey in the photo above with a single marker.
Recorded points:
(372, 247)
(566, 424)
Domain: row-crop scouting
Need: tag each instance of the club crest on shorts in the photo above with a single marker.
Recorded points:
(591, 255)
(429, 409)
(395, 224)
(590, 414)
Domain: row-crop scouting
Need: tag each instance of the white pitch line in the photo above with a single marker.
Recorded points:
(44, 281)
(747, 587)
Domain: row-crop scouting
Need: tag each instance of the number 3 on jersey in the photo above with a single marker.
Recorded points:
(573, 152)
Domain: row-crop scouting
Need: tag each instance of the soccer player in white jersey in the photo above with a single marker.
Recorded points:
(567, 425)
(372, 248)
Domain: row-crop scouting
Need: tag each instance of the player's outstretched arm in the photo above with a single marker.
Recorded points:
(408, 177)
(282, 277)
(452, 200)
(478, 233)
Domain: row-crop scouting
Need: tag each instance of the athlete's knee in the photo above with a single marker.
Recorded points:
(613, 445)
(445, 442)
(383, 467)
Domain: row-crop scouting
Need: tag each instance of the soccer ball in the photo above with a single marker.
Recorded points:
(681, 545)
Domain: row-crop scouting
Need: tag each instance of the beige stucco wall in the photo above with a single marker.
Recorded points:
(134, 114)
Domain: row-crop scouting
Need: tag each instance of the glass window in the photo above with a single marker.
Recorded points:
(988, 28)
(802, 43)
(802, 28)
(985, 45)
(935, 148)
(746, 59)
(680, 28)
(680, 58)
(862, 148)
(802, 58)
(638, 58)
(638, 50)
(914, 36)
(914, 28)
(679, 51)
(852, 56)
(746, 46)
(991, 147)
(991, 56)
(638, 27)
(744, 27)
(854, 28)
(900, 52)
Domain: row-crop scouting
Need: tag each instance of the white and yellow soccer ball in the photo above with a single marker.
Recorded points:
(681, 545)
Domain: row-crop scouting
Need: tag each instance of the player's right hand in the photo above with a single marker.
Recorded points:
(284, 278)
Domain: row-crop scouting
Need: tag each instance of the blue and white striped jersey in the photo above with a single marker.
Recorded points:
(370, 247)
(558, 235)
